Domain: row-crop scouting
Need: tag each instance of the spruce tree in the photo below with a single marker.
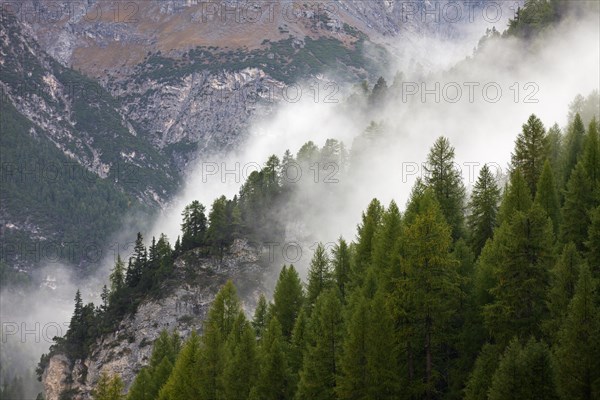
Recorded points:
(531, 152)
(483, 209)
(577, 353)
(445, 180)
(117, 276)
(517, 197)
(288, 299)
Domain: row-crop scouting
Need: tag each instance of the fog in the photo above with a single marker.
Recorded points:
(482, 126)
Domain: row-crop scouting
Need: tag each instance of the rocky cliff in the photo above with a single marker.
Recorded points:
(182, 307)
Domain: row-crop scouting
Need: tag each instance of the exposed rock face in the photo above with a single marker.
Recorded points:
(183, 308)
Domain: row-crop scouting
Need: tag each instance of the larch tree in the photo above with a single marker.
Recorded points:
(320, 276)
(530, 152)
(547, 196)
(483, 209)
(444, 178)
(288, 299)
(318, 377)
(577, 353)
(575, 212)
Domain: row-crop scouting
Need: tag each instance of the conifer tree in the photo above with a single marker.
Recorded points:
(524, 372)
(288, 299)
(479, 381)
(386, 236)
(546, 195)
(445, 180)
(320, 367)
(429, 292)
(563, 280)
(483, 207)
(577, 354)
(239, 375)
(517, 197)
(298, 344)
(194, 225)
(591, 155)
(593, 243)
(573, 146)
(117, 276)
(531, 152)
(371, 219)
(522, 276)
(341, 265)
(575, 211)
(220, 322)
(109, 388)
(183, 383)
(320, 276)
(259, 322)
(274, 378)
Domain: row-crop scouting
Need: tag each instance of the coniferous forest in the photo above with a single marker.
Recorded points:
(421, 283)
(500, 301)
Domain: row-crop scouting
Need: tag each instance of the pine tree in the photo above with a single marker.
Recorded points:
(288, 299)
(320, 276)
(445, 180)
(483, 208)
(577, 354)
(341, 265)
(274, 379)
(578, 201)
(183, 382)
(320, 367)
(109, 388)
(546, 195)
(522, 276)
(531, 152)
(298, 344)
